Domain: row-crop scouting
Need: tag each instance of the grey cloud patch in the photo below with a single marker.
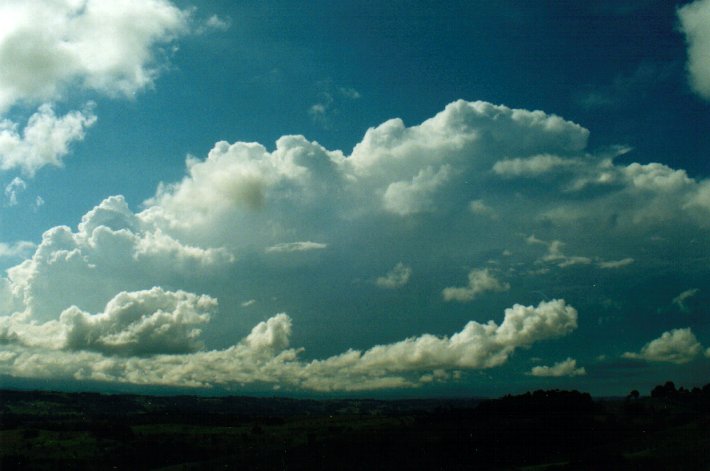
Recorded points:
(480, 208)
(615, 264)
(395, 278)
(531, 166)
(17, 250)
(626, 88)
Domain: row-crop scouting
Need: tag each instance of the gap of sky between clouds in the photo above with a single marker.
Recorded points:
(399, 264)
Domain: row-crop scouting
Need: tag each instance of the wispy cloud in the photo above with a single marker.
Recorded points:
(303, 246)
(13, 189)
(682, 297)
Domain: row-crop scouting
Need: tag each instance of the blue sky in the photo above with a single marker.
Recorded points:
(355, 198)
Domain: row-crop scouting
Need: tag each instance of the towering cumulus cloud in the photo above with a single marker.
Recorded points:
(344, 243)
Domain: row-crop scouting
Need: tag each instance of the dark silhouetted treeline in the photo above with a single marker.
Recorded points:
(668, 429)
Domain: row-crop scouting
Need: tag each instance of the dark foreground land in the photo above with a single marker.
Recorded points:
(544, 430)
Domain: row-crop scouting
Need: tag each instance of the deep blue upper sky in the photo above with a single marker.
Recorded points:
(572, 179)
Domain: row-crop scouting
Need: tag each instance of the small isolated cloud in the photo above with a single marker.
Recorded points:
(15, 187)
(614, 264)
(395, 278)
(677, 346)
(45, 140)
(695, 24)
(563, 368)
(479, 281)
(248, 303)
(303, 246)
(680, 299)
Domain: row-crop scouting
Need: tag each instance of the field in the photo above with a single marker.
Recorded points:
(543, 430)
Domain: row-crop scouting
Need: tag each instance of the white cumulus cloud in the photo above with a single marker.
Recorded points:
(139, 323)
(113, 250)
(53, 51)
(240, 223)
(48, 46)
(676, 346)
(45, 140)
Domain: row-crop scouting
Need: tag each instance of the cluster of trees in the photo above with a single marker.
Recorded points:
(668, 390)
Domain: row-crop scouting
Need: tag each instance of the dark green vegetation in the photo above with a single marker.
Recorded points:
(541, 430)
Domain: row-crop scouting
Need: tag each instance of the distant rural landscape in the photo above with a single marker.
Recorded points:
(668, 428)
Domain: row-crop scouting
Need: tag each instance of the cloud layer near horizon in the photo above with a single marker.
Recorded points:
(147, 338)
(516, 190)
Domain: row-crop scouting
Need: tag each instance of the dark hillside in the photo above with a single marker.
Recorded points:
(539, 430)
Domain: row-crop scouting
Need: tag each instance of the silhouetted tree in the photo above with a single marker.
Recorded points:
(667, 390)
(633, 394)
